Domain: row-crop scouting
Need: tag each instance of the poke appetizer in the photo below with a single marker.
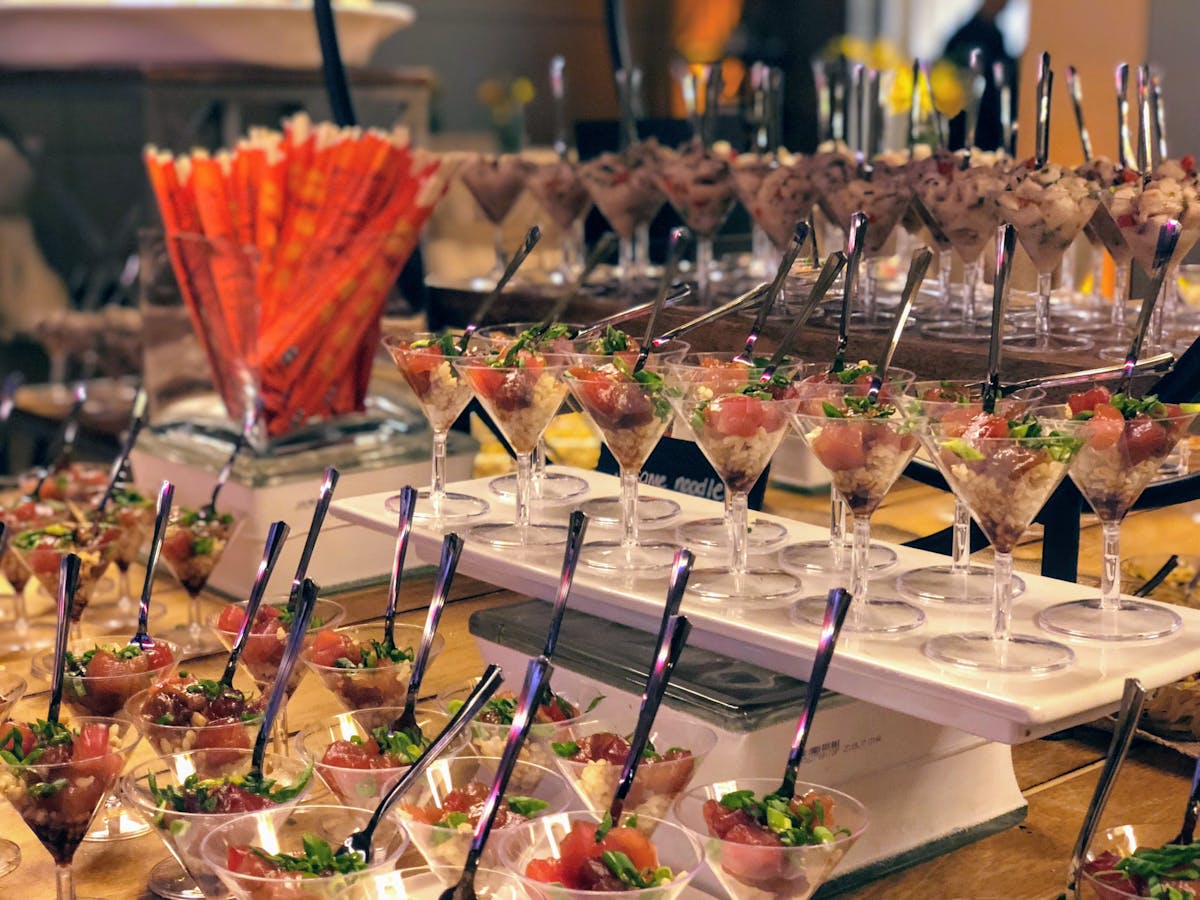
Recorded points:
(102, 674)
(184, 712)
(78, 483)
(193, 545)
(625, 186)
(361, 668)
(22, 516)
(268, 635)
(629, 409)
(43, 548)
(560, 191)
(424, 361)
(57, 776)
(1171, 871)
(519, 388)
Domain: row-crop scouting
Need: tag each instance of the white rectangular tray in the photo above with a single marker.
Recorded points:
(890, 672)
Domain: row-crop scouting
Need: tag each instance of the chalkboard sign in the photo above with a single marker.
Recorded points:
(680, 466)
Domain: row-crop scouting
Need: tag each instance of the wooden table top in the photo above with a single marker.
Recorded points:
(1027, 862)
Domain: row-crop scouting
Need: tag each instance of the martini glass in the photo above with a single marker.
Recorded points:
(786, 197)
(864, 443)
(21, 633)
(522, 391)
(751, 871)
(1120, 456)
(562, 194)
(548, 487)
(831, 557)
(79, 483)
(192, 549)
(830, 168)
(12, 688)
(1049, 207)
(1004, 474)
(133, 513)
(349, 662)
(962, 201)
(749, 170)
(738, 424)
(496, 182)
(42, 550)
(630, 411)
(960, 581)
(424, 359)
(57, 800)
(186, 876)
(1110, 236)
(626, 190)
(699, 185)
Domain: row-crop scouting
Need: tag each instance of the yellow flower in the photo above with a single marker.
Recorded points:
(490, 92)
(855, 49)
(522, 92)
(884, 55)
(949, 92)
(900, 96)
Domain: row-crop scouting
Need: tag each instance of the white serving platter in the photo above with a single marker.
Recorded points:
(134, 33)
(890, 672)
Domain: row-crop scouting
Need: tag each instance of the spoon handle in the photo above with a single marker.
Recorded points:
(227, 469)
(712, 315)
(1164, 249)
(829, 273)
(408, 502)
(576, 531)
(681, 292)
(681, 571)
(1075, 89)
(1045, 85)
(679, 238)
(799, 236)
(602, 250)
(1159, 111)
(1127, 719)
(314, 531)
(670, 646)
(276, 537)
(1145, 144)
(532, 236)
(1125, 154)
(916, 276)
(491, 680)
(854, 250)
(68, 584)
(836, 607)
(279, 691)
(1006, 246)
(162, 517)
(1158, 577)
(135, 428)
(452, 546)
(1156, 363)
(71, 427)
(537, 678)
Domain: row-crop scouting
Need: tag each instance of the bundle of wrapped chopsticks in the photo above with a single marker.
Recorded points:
(285, 249)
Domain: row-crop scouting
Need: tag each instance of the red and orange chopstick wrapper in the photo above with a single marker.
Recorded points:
(285, 249)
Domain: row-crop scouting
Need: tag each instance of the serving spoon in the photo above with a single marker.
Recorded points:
(532, 236)
(1006, 245)
(452, 546)
(360, 841)
(713, 315)
(836, 607)
(314, 531)
(916, 277)
(1125, 154)
(829, 273)
(408, 502)
(68, 584)
(276, 537)
(855, 242)
(537, 679)
(799, 236)
(162, 517)
(136, 423)
(679, 292)
(1156, 363)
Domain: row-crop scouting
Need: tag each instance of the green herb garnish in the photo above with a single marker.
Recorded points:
(622, 866)
(1174, 862)
(317, 860)
(800, 826)
(373, 654)
(446, 342)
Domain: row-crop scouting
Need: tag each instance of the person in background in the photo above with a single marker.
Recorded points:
(981, 31)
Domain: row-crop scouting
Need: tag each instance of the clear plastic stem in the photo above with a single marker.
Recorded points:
(627, 263)
(868, 290)
(1042, 322)
(704, 265)
(1067, 281)
(498, 247)
(945, 261)
(1110, 575)
(64, 881)
(971, 273)
(961, 539)
(437, 486)
(629, 519)
(837, 530)
(641, 249)
(194, 614)
(1121, 293)
(1002, 593)
(860, 565)
(739, 523)
(1096, 270)
(524, 478)
(762, 252)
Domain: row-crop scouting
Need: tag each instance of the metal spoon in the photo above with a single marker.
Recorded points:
(68, 584)
(276, 537)
(291, 650)
(1155, 363)
(1044, 86)
(978, 83)
(836, 607)
(1004, 92)
(670, 646)
(532, 236)
(136, 423)
(1125, 154)
(537, 678)
(600, 252)
(916, 277)
(162, 516)
(681, 571)
(1164, 249)
(408, 502)
(854, 250)
(452, 546)
(71, 427)
(576, 530)
(1159, 111)
(558, 90)
(1006, 246)
(799, 236)
(314, 531)
(829, 273)
(679, 238)
(1145, 144)
(227, 469)
(712, 315)
(1075, 89)
(360, 841)
(1127, 719)
(679, 292)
